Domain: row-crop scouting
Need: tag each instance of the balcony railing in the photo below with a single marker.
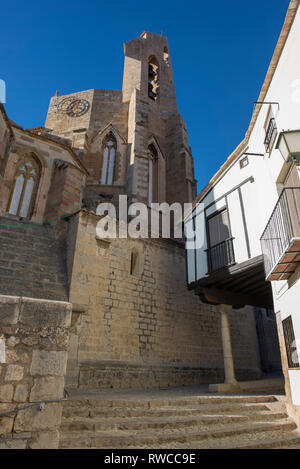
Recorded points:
(280, 241)
(220, 255)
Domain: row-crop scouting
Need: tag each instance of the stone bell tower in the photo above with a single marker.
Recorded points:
(155, 125)
(152, 160)
(148, 69)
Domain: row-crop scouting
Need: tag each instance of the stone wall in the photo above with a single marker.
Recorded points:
(146, 329)
(6, 140)
(36, 335)
(67, 126)
(65, 193)
(105, 107)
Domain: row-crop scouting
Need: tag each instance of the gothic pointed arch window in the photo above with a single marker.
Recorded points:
(153, 175)
(108, 160)
(25, 186)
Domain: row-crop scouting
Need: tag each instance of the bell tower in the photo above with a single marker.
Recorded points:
(148, 68)
(154, 122)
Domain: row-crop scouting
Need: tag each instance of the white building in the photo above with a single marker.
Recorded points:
(247, 219)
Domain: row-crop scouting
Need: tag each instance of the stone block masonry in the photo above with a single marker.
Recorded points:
(36, 335)
(145, 329)
(32, 261)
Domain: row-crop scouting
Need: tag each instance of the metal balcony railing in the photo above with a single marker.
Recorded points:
(280, 241)
(220, 255)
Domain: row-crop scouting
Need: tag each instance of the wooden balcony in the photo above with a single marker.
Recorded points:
(280, 241)
(238, 285)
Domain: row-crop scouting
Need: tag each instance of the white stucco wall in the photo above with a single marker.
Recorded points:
(261, 196)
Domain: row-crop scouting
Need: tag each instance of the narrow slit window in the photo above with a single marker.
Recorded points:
(134, 263)
(153, 175)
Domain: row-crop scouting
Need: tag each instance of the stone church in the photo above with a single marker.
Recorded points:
(134, 322)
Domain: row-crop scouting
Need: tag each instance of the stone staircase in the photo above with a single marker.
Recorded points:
(32, 260)
(197, 422)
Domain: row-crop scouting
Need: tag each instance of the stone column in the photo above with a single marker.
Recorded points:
(230, 383)
(227, 346)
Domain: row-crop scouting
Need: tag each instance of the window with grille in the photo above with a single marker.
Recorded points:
(290, 344)
(271, 131)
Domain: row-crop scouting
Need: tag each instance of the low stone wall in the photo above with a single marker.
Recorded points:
(36, 336)
(294, 412)
(119, 375)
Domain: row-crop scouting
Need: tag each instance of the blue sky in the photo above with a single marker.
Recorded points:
(220, 52)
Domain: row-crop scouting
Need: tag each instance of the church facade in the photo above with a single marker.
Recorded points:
(134, 321)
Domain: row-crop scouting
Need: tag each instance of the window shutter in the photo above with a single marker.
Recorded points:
(290, 345)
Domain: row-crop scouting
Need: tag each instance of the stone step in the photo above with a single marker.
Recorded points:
(284, 441)
(293, 445)
(205, 421)
(120, 440)
(137, 424)
(288, 441)
(163, 411)
(211, 399)
(262, 440)
(231, 409)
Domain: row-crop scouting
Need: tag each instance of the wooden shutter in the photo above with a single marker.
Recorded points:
(290, 345)
(218, 228)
